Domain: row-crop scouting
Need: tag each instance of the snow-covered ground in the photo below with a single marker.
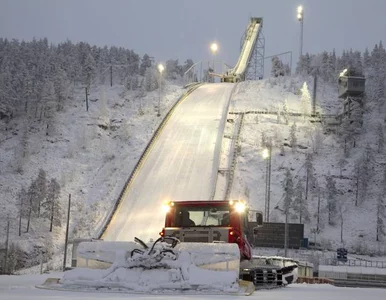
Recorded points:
(23, 287)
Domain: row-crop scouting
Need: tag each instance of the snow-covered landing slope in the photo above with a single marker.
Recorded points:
(182, 164)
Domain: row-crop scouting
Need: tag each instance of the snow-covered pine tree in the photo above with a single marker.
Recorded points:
(381, 212)
(305, 100)
(52, 206)
(293, 138)
(104, 113)
(289, 192)
(47, 107)
(23, 205)
(357, 66)
(22, 152)
(324, 67)
(32, 204)
(89, 70)
(304, 65)
(366, 171)
(341, 208)
(356, 179)
(381, 138)
(331, 70)
(377, 74)
(309, 175)
(61, 85)
(332, 194)
(285, 112)
(145, 64)
(41, 188)
(173, 69)
(380, 217)
(298, 201)
(342, 163)
(277, 67)
(14, 258)
(151, 82)
(317, 213)
(366, 59)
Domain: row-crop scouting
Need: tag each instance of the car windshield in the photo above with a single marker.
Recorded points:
(201, 216)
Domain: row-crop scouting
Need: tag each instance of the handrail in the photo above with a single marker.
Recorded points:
(143, 157)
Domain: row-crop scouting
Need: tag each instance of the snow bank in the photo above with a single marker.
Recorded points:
(189, 266)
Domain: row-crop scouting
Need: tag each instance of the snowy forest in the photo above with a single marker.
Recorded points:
(37, 76)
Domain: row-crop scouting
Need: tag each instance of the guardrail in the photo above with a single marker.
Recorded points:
(140, 162)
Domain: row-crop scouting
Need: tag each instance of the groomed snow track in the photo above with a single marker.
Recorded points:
(180, 162)
(144, 154)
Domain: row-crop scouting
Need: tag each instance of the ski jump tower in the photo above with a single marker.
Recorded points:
(351, 90)
(250, 65)
(255, 66)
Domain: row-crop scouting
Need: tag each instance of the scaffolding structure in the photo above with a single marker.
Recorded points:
(255, 68)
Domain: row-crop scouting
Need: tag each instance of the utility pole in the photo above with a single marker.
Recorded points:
(268, 157)
(86, 99)
(66, 240)
(161, 68)
(286, 233)
(6, 249)
(314, 96)
(301, 20)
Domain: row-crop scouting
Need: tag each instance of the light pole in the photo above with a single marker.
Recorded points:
(214, 48)
(161, 68)
(301, 20)
(267, 154)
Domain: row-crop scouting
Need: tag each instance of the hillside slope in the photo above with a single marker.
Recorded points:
(326, 148)
(91, 154)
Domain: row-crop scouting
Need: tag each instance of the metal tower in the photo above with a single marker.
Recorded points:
(255, 68)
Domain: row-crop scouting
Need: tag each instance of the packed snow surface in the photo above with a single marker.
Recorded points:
(23, 287)
(182, 165)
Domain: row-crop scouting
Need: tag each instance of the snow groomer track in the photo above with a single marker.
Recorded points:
(181, 163)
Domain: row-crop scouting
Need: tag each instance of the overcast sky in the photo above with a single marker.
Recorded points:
(184, 29)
